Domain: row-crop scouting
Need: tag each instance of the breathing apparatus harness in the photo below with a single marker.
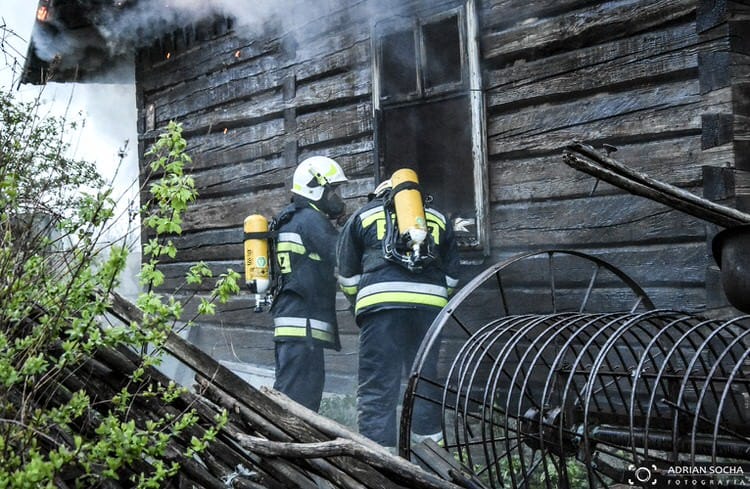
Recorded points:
(407, 239)
(262, 274)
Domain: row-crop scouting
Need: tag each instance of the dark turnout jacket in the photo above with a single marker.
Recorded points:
(373, 283)
(305, 308)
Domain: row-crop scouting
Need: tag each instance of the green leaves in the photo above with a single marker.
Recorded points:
(227, 285)
(175, 190)
(55, 278)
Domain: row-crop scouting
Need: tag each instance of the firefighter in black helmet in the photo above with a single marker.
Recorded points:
(396, 294)
(304, 311)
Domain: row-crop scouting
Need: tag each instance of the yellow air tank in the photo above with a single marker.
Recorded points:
(256, 254)
(409, 208)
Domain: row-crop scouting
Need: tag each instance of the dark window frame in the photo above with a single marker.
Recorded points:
(416, 27)
(470, 86)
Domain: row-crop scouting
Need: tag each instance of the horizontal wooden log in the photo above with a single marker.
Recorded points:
(236, 114)
(666, 113)
(351, 51)
(340, 123)
(595, 24)
(631, 61)
(231, 211)
(255, 175)
(599, 222)
(498, 14)
(572, 272)
(197, 95)
(677, 161)
(210, 146)
(246, 176)
(538, 301)
(211, 56)
(217, 147)
(353, 84)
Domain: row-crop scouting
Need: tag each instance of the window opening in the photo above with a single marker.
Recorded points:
(426, 116)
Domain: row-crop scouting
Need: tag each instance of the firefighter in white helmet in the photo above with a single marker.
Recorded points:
(304, 312)
(395, 297)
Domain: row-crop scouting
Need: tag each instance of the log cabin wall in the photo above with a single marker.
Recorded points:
(252, 106)
(627, 73)
(622, 73)
(724, 72)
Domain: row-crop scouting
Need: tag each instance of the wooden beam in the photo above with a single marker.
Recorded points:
(586, 159)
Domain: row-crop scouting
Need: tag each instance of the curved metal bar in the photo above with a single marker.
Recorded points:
(556, 333)
(696, 357)
(472, 347)
(666, 330)
(609, 389)
(494, 271)
(538, 373)
(735, 371)
(522, 335)
(588, 390)
(449, 315)
(716, 366)
(675, 348)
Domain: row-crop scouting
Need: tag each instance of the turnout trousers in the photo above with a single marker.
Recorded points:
(388, 342)
(300, 372)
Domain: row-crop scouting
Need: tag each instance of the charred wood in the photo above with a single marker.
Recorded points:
(261, 425)
(345, 447)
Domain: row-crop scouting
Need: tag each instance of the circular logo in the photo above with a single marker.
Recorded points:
(260, 261)
(642, 475)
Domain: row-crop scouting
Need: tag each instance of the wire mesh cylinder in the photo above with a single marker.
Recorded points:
(570, 398)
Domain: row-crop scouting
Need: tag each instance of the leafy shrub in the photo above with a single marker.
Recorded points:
(56, 274)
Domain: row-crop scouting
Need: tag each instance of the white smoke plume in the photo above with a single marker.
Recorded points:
(119, 27)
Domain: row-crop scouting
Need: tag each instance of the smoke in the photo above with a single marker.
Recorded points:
(116, 30)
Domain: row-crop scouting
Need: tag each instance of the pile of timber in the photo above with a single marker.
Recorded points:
(269, 441)
(586, 159)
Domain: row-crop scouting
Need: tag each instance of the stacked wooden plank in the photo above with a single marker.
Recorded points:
(269, 442)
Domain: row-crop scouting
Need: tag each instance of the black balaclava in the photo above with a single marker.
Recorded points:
(331, 202)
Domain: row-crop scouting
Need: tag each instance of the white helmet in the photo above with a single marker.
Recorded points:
(313, 174)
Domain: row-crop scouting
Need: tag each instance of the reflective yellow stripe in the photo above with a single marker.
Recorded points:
(297, 332)
(367, 221)
(436, 219)
(380, 229)
(401, 297)
(349, 290)
(293, 247)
